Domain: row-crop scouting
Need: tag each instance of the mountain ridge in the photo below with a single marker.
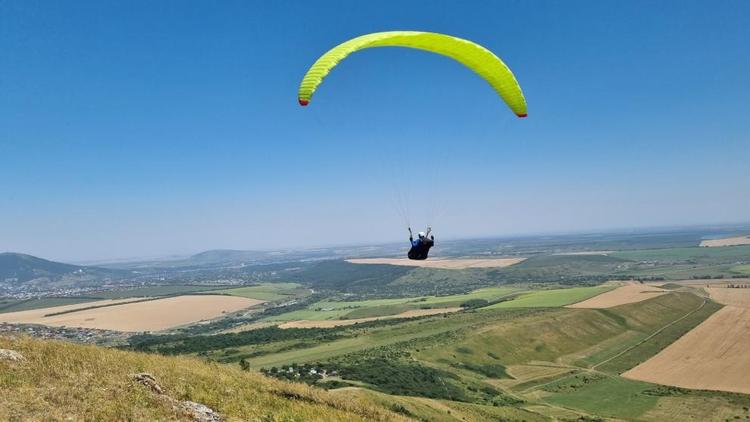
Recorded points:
(18, 268)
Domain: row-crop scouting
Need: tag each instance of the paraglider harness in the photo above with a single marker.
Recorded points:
(420, 247)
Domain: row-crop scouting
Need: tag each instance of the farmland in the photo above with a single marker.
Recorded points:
(340, 322)
(543, 349)
(628, 293)
(547, 337)
(34, 315)
(268, 291)
(711, 357)
(41, 303)
(152, 315)
(328, 309)
(552, 298)
(444, 263)
(726, 241)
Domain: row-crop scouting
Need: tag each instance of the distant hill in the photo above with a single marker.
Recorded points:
(16, 268)
(226, 256)
(232, 258)
(63, 381)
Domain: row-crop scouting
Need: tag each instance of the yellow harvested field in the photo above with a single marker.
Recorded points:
(730, 296)
(34, 314)
(339, 322)
(712, 356)
(629, 293)
(444, 263)
(152, 315)
(727, 241)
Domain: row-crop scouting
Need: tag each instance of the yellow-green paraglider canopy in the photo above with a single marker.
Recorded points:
(477, 58)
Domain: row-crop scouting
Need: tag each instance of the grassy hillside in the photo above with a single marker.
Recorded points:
(268, 291)
(337, 309)
(26, 267)
(566, 335)
(505, 364)
(17, 269)
(62, 381)
(553, 298)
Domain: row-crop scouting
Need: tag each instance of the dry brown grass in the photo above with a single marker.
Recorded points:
(727, 241)
(444, 263)
(63, 381)
(629, 293)
(153, 315)
(339, 322)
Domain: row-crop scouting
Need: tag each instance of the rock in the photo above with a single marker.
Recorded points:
(149, 381)
(11, 355)
(196, 411)
(199, 412)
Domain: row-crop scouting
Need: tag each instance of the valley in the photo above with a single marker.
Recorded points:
(633, 334)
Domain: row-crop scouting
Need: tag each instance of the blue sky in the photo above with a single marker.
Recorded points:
(153, 128)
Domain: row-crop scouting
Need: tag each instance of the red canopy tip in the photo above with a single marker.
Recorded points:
(303, 102)
(522, 115)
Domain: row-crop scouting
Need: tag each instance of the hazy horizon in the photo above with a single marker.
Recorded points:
(720, 228)
(147, 129)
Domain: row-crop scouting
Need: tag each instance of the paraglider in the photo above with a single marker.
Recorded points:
(420, 247)
(475, 57)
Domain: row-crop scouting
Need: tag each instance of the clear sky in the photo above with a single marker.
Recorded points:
(147, 128)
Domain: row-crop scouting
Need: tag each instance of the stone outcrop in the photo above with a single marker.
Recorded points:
(11, 355)
(196, 411)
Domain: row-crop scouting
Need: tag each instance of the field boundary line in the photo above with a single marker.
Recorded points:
(106, 305)
(609, 289)
(652, 335)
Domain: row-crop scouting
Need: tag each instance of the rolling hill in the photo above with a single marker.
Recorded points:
(63, 381)
(17, 269)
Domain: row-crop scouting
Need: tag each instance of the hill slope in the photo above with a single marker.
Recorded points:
(61, 381)
(27, 267)
(16, 269)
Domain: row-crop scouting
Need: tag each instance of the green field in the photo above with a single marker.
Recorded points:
(489, 294)
(552, 298)
(268, 291)
(383, 336)
(476, 352)
(516, 352)
(581, 337)
(379, 311)
(604, 396)
(683, 263)
(698, 254)
(477, 346)
(329, 309)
